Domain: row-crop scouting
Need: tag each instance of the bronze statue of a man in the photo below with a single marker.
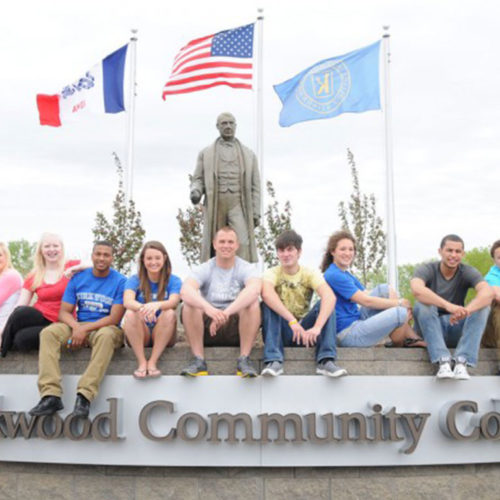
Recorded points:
(228, 175)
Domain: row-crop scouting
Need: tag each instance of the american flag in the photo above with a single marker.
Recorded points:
(221, 59)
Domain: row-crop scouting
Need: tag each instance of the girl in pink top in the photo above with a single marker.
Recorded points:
(10, 286)
(47, 280)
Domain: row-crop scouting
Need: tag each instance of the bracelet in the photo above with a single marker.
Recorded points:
(292, 322)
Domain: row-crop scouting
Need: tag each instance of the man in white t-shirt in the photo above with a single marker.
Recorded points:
(221, 305)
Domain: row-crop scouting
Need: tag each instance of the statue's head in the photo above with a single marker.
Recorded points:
(226, 125)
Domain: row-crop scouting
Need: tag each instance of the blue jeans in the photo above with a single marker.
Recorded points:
(440, 334)
(374, 324)
(278, 334)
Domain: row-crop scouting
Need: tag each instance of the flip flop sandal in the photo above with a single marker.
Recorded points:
(154, 373)
(140, 374)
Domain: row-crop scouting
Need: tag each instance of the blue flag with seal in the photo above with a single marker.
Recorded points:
(342, 84)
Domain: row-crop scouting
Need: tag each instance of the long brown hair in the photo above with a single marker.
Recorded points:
(165, 272)
(333, 241)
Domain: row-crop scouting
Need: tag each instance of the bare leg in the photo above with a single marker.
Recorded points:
(249, 323)
(137, 334)
(163, 336)
(192, 319)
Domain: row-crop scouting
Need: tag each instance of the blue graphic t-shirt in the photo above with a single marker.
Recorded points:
(173, 286)
(344, 286)
(94, 296)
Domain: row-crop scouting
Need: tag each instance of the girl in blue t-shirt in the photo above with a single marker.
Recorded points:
(151, 297)
(364, 318)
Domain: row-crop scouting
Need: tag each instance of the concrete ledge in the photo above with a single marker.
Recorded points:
(222, 361)
(40, 481)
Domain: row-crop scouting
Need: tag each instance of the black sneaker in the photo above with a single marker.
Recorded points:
(48, 405)
(245, 367)
(197, 367)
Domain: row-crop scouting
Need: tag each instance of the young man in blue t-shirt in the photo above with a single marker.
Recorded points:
(97, 295)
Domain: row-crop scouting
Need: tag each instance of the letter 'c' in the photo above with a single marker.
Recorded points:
(451, 424)
(144, 420)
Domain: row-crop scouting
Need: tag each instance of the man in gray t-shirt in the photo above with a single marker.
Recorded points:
(440, 314)
(221, 305)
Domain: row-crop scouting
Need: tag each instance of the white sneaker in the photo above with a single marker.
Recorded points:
(445, 370)
(460, 372)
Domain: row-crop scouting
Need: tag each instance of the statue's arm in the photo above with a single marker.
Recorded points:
(256, 191)
(197, 181)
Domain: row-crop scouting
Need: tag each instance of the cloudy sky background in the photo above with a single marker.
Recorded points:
(445, 78)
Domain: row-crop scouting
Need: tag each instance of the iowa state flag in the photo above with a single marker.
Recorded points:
(100, 90)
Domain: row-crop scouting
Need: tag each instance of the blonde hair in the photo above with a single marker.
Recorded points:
(39, 264)
(5, 249)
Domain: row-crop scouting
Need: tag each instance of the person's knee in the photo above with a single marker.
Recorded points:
(167, 317)
(401, 315)
(423, 310)
(252, 309)
(104, 337)
(131, 316)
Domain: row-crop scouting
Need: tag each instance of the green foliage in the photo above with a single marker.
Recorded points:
(480, 258)
(124, 231)
(359, 216)
(22, 252)
(191, 227)
(275, 221)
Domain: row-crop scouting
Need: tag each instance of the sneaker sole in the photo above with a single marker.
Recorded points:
(444, 377)
(462, 377)
(246, 375)
(271, 373)
(197, 374)
(339, 373)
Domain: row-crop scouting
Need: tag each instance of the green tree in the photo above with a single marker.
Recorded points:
(480, 258)
(275, 221)
(359, 216)
(22, 252)
(124, 230)
(191, 228)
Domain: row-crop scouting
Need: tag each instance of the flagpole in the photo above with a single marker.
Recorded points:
(131, 119)
(259, 122)
(392, 271)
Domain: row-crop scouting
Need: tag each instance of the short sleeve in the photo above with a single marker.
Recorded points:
(118, 299)
(343, 284)
(271, 275)
(70, 292)
(28, 282)
(472, 276)
(248, 271)
(315, 279)
(424, 272)
(493, 276)
(174, 285)
(132, 283)
(201, 273)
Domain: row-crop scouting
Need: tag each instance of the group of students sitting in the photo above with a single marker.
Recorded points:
(226, 301)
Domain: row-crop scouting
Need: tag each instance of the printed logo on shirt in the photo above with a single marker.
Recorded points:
(94, 302)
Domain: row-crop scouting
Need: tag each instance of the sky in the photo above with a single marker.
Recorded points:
(444, 81)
